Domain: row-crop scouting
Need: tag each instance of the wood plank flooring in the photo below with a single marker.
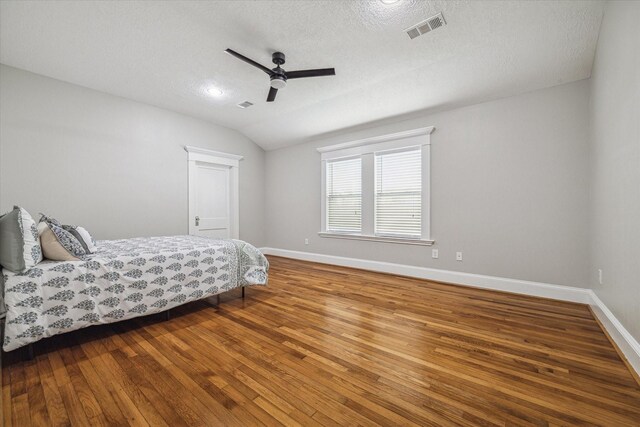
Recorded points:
(326, 345)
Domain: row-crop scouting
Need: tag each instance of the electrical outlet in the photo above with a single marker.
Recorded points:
(600, 276)
(458, 256)
(306, 241)
(434, 253)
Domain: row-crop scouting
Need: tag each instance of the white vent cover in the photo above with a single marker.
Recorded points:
(425, 26)
(245, 104)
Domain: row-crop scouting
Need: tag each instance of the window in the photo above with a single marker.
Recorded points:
(398, 204)
(344, 196)
(378, 189)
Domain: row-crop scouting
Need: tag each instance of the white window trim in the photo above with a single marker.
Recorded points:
(366, 149)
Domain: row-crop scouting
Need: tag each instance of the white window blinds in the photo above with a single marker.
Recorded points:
(398, 193)
(344, 195)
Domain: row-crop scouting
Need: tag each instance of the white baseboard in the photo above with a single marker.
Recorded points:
(545, 290)
(627, 344)
(625, 341)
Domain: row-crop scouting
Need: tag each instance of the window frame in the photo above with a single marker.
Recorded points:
(366, 149)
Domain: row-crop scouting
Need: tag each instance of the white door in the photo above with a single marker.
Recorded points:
(213, 194)
(212, 202)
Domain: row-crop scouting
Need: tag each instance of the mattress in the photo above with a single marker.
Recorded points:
(124, 279)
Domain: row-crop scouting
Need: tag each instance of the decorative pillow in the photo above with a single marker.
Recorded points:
(83, 236)
(49, 220)
(58, 244)
(19, 244)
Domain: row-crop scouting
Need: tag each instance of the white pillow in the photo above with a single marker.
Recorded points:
(86, 239)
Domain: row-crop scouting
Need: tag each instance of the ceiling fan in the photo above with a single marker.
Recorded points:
(278, 75)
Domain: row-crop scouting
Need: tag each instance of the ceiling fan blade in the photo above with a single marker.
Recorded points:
(249, 61)
(311, 73)
(272, 94)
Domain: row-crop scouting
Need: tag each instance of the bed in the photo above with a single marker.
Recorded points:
(124, 279)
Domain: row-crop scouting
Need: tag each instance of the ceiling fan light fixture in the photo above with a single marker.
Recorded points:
(389, 1)
(278, 82)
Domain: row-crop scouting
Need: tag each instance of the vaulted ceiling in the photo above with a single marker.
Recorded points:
(167, 54)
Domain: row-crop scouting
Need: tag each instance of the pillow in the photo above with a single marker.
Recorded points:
(58, 244)
(3, 307)
(76, 241)
(19, 244)
(49, 220)
(83, 236)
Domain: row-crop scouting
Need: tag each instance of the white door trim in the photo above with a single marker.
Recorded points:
(225, 158)
(232, 161)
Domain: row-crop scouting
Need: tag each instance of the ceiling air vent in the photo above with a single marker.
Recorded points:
(425, 26)
(245, 104)
(413, 33)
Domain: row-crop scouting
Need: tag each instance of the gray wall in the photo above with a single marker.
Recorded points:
(115, 166)
(509, 189)
(615, 169)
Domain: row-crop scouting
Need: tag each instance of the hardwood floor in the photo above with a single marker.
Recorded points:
(326, 345)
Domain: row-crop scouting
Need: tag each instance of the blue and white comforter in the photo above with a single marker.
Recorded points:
(124, 279)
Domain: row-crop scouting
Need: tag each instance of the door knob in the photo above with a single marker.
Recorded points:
(197, 221)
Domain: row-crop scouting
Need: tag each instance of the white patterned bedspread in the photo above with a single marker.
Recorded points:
(124, 279)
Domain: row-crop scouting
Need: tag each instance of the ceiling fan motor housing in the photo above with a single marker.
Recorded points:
(278, 79)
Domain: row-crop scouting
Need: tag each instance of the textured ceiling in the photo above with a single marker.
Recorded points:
(165, 53)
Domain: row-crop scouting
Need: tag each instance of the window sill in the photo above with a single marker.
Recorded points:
(399, 240)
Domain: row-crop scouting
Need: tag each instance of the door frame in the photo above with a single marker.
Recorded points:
(197, 155)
